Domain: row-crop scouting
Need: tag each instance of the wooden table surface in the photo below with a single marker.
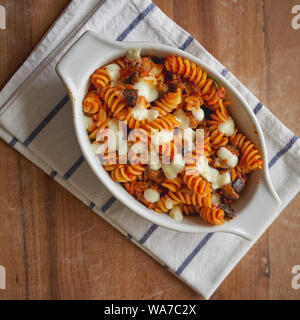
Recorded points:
(54, 247)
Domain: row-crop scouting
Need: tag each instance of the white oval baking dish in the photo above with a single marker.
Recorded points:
(258, 202)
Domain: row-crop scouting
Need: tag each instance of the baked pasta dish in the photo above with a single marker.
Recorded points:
(162, 128)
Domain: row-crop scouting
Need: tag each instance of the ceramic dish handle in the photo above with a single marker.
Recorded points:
(264, 206)
(76, 64)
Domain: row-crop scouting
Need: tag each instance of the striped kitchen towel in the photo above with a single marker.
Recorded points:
(36, 119)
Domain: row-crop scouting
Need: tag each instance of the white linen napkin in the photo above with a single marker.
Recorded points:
(36, 119)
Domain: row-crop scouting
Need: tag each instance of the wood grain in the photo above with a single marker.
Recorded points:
(53, 247)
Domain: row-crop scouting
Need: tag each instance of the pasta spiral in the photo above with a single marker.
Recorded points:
(217, 139)
(164, 204)
(197, 184)
(168, 103)
(127, 173)
(190, 199)
(126, 116)
(100, 78)
(193, 102)
(250, 156)
(213, 215)
(196, 75)
(100, 122)
(114, 100)
(91, 103)
(173, 185)
(165, 123)
(189, 210)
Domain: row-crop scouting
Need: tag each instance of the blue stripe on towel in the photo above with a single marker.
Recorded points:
(74, 167)
(224, 72)
(53, 174)
(92, 205)
(282, 152)
(135, 22)
(47, 119)
(108, 204)
(187, 42)
(258, 108)
(13, 142)
(192, 255)
(147, 235)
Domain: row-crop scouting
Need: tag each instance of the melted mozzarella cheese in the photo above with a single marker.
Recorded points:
(215, 199)
(175, 167)
(151, 195)
(146, 87)
(155, 167)
(227, 127)
(114, 72)
(198, 114)
(152, 114)
(169, 204)
(230, 158)
(212, 175)
(88, 122)
(182, 118)
(134, 54)
(176, 214)
(139, 112)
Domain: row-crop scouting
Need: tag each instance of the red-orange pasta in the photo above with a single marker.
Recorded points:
(212, 215)
(100, 78)
(145, 105)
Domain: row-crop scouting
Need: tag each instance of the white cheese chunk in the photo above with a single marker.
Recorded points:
(212, 175)
(146, 87)
(134, 54)
(215, 199)
(182, 118)
(198, 114)
(230, 158)
(152, 114)
(114, 72)
(175, 167)
(176, 214)
(88, 122)
(155, 167)
(139, 112)
(227, 127)
(151, 195)
(169, 204)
